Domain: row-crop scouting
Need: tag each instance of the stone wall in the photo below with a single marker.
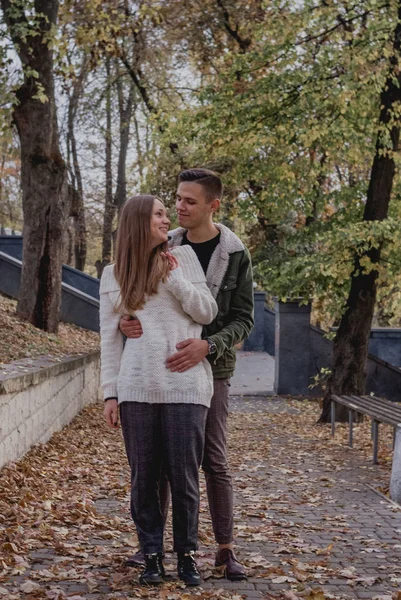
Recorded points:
(40, 396)
(385, 343)
(270, 330)
(256, 339)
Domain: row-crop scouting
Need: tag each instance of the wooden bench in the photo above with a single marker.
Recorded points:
(379, 409)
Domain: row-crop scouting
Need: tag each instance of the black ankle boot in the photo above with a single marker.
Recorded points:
(154, 570)
(187, 569)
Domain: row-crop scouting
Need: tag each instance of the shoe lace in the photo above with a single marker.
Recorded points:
(153, 559)
(189, 562)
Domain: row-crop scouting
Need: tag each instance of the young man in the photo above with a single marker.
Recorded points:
(227, 265)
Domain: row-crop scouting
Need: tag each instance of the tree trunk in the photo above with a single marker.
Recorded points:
(125, 112)
(350, 350)
(140, 158)
(317, 187)
(43, 171)
(109, 208)
(78, 213)
(2, 165)
(68, 243)
(80, 246)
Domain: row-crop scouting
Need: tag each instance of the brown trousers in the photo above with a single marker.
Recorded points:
(215, 467)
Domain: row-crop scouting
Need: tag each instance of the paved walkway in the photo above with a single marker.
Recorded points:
(306, 517)
(254, 374)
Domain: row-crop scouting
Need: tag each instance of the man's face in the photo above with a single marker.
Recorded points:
(193, 208)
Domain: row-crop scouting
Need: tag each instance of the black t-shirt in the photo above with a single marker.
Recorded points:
(203, 250)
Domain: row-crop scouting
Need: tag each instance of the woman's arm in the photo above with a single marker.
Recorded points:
(196, 298)
(111, 346)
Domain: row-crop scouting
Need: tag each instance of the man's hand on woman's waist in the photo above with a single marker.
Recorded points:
(190, 352)
(130, 326)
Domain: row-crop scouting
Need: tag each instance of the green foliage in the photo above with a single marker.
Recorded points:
(281, 98)
(291, 124)
(320, 380)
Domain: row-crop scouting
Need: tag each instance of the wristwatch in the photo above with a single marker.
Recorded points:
(212, 346)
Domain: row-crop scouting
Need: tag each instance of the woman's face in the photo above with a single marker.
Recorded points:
(159, 224)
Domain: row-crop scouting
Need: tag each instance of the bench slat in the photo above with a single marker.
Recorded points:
(375, 411)
(380, 410)
(388, 408)
(381, 402)
(377, 402)
(396, 406)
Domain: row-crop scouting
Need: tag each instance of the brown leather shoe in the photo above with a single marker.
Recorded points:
(137, 560)
(233, 570)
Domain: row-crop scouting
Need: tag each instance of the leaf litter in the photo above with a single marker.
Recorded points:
(66, 531)
(20, 339)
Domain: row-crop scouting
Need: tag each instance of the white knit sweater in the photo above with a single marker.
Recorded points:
(137, 372)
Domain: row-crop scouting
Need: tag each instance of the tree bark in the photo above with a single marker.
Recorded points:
(109, 208)
(43, 170)
(144, 95)
(139, 152)
(317, 187)
(2, 165)
(125, 112)
(350, 349)
(78, 212)
(243, 43)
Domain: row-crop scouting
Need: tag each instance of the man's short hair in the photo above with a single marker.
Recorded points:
(209, 180)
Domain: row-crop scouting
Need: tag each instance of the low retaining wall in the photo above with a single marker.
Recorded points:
(40, 396)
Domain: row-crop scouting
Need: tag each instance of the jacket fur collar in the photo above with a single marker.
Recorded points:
(229, 243)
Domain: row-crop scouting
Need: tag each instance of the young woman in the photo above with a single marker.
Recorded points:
(162, 413)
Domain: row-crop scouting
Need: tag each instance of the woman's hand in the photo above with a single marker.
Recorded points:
(173, 262)
(110, 413)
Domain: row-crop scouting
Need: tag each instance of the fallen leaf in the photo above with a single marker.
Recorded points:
(29, 586)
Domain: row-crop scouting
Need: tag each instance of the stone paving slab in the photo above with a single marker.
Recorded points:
(359, 526)
(301, 521)
(254, 374)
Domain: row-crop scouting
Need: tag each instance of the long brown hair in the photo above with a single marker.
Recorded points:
(138, 268)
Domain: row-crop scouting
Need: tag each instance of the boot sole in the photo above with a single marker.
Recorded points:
(236, 577)
(155, 581)
(232, 577)
(131, 563)
(193, 584)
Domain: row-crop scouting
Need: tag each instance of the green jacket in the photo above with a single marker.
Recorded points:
(229, 277)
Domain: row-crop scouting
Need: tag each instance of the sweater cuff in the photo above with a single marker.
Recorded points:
(111, 398)
(110, 391)
(174, 276)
